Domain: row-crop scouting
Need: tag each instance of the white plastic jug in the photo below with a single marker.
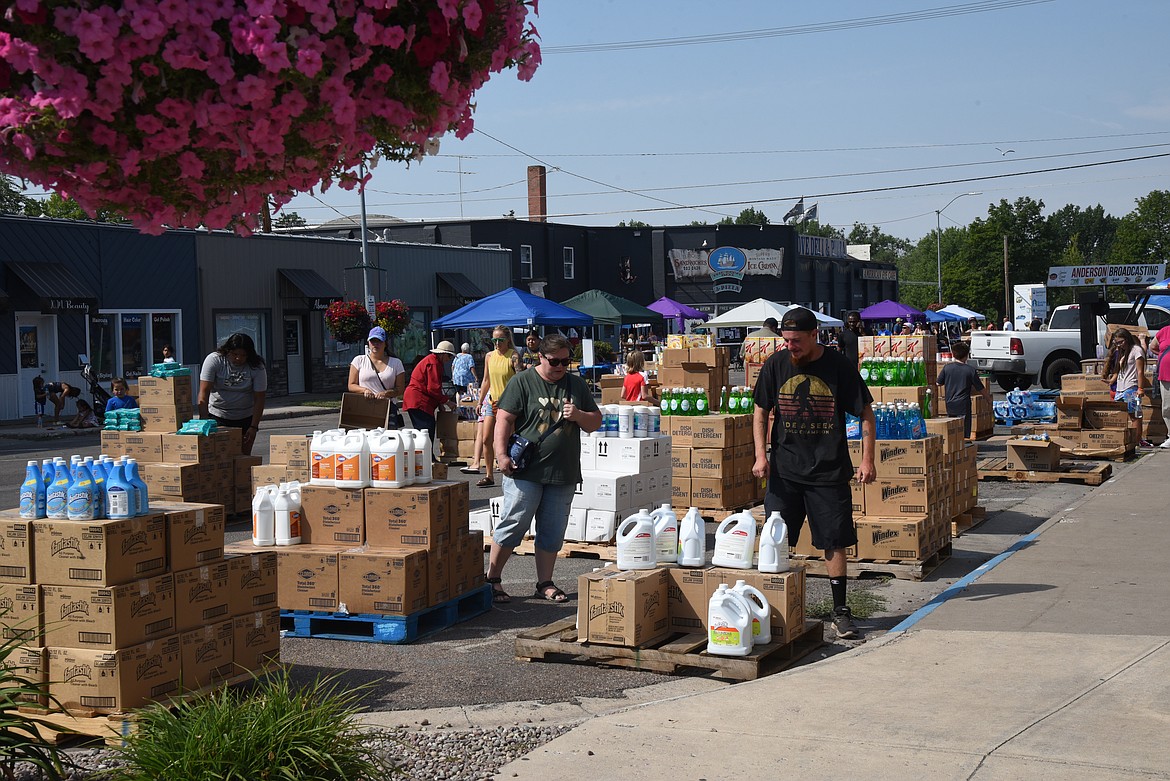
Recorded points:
(774, 545)
(322, 464)
(288, 519)
(692, 540)
(729, 624)
(387, 462)
(610, 418)
(625, 421)
(760, 609)
(665, 535)
(655, 425)
(735, 541)
(407, 435)
(423, 457)
(635, 542)
(263, 518)
(641, 421)
(351, 461)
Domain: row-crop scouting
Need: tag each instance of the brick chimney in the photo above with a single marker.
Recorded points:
(537, 193)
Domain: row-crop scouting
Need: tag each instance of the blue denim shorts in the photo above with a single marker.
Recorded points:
(525, 500)
(1133, 402)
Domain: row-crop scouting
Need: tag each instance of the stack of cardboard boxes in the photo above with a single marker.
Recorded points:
(118, 613)
(696, 367)
(288, 460)
(639, 607)
(921, 485)
(388, 551)
(618, 477)
(711, 461)
(1088, 424)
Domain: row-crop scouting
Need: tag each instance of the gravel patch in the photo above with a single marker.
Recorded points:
(427, 754)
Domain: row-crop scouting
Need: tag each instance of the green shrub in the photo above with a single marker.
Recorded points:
(19, 739)
(274, 731)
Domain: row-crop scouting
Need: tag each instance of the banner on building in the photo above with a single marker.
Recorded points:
(1031, 302)
(1115, 274)
(726, 262)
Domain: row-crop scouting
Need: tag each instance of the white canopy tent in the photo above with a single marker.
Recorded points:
(962, 312)
(754, 313)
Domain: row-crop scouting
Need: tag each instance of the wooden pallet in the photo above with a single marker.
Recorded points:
(980, 436)
(966, 521)
(900, 569)
(677, 654)
(80, 724)
(376, 628)
(606, 551)
(1069, 472)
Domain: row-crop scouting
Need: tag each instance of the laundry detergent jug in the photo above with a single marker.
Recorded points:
(773, 545)
(665, 535)
(729, 624)
(635, 542)
(760, 609)
(735, 541)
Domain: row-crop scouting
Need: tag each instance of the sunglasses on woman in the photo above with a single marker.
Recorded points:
(558, 361)
(499, 339)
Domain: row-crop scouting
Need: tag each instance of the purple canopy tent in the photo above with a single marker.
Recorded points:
(671, 309)
(890, 310)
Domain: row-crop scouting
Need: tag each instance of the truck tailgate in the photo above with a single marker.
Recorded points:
(991, 344)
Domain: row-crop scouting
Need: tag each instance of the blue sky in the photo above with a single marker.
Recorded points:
(763, 121)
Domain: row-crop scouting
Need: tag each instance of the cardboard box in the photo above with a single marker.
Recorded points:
(143, 446)
(274, 474)
(165, 390)
(915, 394)
(623, 608)
(458, 506)
(951, 431)
(256, 639)
(252, 582)
(604, 491)
(908, 457)
(165, 417)
(114, 681)
(20, 614)
(333, 516)
(675, 357)
(242, 467)
(187, 449)
(208, 655)
(389, 582)
(415, 517)
(890, 497)
(712, 463)
(687, 599)
(109, 617)
(857, 491)
(720, 431)
(195, 533)
(1106, 415)
(784, 590)
(177, 480)
(307, 577)
(99, 553)
(467, 566)
(804, 546)
(289, 449)
(31, 664)
(202, 596)
(630, 456)
(1033, 455)
(680, 491)
(16, 552)
(893, 538)
(439, 561)
(714, 493)
(712, 356)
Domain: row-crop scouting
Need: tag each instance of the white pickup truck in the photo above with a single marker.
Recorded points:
(1018, 359)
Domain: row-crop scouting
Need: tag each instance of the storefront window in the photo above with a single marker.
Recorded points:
(250, 323)
(101, 346)
(133, 363)
(414, 342)
(339, 353)
(162, 332)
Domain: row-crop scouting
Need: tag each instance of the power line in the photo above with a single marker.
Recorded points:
(804, 29)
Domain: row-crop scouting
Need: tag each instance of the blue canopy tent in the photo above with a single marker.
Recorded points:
(942, 317)
(513, 308)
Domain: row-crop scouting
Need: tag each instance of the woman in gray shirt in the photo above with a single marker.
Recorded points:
(232, 384)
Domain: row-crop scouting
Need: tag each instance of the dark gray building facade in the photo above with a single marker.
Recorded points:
(116, 296)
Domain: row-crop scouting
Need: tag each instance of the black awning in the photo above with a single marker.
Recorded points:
(55, 285)
(453, 284)
(311, 286)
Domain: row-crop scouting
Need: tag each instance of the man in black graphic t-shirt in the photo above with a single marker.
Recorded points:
(810, 389)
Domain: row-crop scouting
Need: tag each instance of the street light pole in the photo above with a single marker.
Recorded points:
(938, 238)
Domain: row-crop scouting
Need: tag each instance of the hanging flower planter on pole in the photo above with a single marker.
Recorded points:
(202, 113)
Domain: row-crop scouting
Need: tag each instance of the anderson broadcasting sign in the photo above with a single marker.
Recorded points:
(1118, 274)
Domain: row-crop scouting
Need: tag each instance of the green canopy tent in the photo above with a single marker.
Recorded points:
(608, 309)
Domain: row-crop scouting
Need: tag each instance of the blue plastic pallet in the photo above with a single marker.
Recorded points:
(378, 628)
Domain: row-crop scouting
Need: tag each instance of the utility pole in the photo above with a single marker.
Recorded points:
(1007, 288)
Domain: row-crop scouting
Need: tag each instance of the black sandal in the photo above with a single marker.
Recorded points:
(556, 595)
(499, 596)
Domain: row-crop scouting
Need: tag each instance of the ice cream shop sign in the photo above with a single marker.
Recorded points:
(726, 266)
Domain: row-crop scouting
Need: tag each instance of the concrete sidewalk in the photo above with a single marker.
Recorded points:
(1050, 662)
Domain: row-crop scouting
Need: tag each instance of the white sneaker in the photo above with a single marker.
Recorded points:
(1165, 444)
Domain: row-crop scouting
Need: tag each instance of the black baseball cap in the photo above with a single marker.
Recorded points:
(798, 319)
